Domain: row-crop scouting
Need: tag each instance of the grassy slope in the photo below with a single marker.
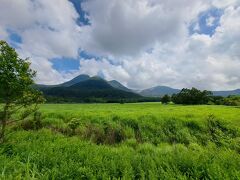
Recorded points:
(176, 142)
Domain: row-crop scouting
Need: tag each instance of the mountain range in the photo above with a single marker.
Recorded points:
(159, 91)
(162, 90)
(86, 87)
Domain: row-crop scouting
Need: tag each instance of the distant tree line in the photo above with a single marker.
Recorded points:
(195, 97)
(228, 101)
(53, 99)
(186, 96)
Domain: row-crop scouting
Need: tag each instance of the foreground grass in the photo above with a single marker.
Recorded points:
(126, 141)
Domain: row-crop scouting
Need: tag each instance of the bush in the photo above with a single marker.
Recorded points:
(166, 99)
(232, 101)
(33, 124)
(104, 135)
(73, 124)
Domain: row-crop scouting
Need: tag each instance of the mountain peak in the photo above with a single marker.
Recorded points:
(81, 76)
(118, 85)
(78, 79)
(97, 78)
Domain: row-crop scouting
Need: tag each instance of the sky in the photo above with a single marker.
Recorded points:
(143, 43)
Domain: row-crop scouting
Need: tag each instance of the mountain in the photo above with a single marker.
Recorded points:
(118, 85)
(78, 79)
(84, 77)
(84, 86)
(159, 91)
(92, 88)
(94, 83)
(226, 93)
(73, 81)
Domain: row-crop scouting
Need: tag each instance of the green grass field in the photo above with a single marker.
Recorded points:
(125, 141)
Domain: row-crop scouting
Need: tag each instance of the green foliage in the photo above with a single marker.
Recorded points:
(73, 124)
(33, 124)
(68, 100)
(217, 100)
(16, 80)
(15, 74)
(192, 96)
(228, 101)
(89, 90)
(49, 156)
(232, 101)
(126, 141)
(166, 99)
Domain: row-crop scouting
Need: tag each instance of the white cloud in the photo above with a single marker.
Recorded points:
(200, 60)
(48, 29)
(110, 71)
(147, 40)
(210, 21)
(121, 28)
(196, 27)
(3, 33)
(225, 3)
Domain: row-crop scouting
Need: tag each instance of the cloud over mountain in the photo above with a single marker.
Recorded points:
(140, 43)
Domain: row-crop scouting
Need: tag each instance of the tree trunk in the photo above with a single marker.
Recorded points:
(4, 122)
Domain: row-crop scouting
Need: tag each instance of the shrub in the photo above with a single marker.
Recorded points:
(232, 101)
(73, 124)
(114, 135)
(33, 124)
(94, 133)
(166, 99)
(38, 120)
(104, 135)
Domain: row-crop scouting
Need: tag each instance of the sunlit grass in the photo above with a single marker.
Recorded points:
(125, 141)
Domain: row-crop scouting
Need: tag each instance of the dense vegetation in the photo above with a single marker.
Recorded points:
(230, 101)
(85, 89)
(53, 99)
(93, 89)
(111, 141)
(191, 96)
(16, 91)
(194, 96)
(128, 141)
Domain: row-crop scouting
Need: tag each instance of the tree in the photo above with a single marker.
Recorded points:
(166, 99)
(16, 91)
(231, 101)
(192, 96)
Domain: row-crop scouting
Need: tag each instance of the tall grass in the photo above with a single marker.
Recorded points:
(125, 141)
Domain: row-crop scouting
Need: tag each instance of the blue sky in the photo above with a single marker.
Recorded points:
(201, 25)
(65, 64)
(82, 20)
(15, 38)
